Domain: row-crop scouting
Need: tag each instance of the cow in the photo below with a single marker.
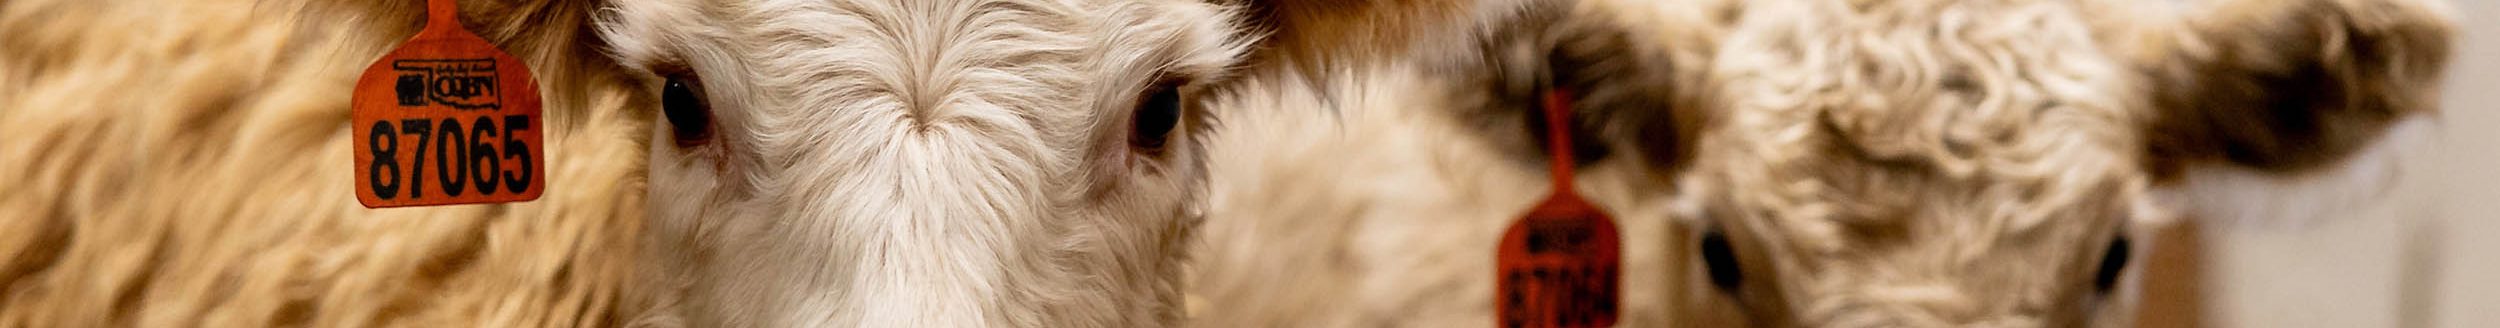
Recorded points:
(1822, 163)
(924, 163)
(710, 163)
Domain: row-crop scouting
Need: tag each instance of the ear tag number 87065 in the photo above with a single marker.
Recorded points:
(447, 119)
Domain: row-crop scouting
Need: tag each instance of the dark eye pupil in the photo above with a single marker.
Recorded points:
(1156, 116)
(2113, 261)
(688, 116)
(1721, 258)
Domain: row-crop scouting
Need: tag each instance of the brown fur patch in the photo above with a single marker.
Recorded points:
(1315, 36)
(2290, 87)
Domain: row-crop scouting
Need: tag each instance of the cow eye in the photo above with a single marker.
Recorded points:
(1721, 259)
(689, 115)
(2113, 262)
(1157, 114)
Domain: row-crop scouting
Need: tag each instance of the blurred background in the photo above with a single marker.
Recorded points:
(2429, 256)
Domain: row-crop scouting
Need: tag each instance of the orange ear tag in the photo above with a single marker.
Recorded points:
(1560, 263)
(447, 119)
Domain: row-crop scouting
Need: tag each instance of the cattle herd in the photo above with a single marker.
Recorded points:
(1133, 163)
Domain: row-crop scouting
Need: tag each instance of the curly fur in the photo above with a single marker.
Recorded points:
(1874, 163)
(884, 163)
(1918, 163)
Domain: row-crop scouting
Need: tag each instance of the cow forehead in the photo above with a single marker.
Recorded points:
(1956, 128)
(844, 80)
(1029, 77)
(935, 62)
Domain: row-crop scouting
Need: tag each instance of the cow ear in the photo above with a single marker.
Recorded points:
(2291, 86)
(1315, 36)
(2301, 91)
(518, 26)
(557, 38)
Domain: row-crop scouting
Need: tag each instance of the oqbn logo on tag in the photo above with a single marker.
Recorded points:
(447, 119)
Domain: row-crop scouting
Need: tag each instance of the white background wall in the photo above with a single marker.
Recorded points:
(2427, 257)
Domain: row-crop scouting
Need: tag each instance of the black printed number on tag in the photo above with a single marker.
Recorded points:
(461, 158)
(1580, 294)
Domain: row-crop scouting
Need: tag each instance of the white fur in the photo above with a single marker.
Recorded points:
(920, 163)
(1919, 163)
(2245, 197)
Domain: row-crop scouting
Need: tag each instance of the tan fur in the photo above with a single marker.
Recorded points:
(182, 163)
(1874, 163)
(1369, 196)
(1312, 37)
(192, 169)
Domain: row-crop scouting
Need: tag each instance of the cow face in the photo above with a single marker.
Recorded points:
(1820, 163)
(922, 163)
(2000, 163)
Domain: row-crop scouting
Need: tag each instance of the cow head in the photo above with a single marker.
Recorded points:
(922, 163)
(1803, 162)
(892, 163)
(2000, 163)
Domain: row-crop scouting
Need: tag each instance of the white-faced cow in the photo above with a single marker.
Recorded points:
(923, 163)
(807, 163)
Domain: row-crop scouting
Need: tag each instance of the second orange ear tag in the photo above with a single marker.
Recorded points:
(447, 119)
(1560, 263)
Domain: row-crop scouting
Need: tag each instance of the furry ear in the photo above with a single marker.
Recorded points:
(2271, 111)
(558, 38)
(1622, 80)
(521, 27)
(1315, 36)
(2290, 86)
(1513, 50)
